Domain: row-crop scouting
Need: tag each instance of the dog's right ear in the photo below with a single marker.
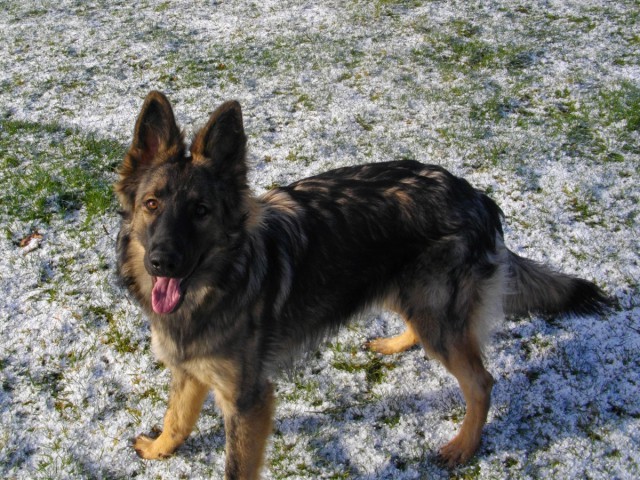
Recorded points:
(156, 139)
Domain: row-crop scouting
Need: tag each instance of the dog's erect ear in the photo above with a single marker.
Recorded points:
(156, 136)
(221, 144)
(156, 139)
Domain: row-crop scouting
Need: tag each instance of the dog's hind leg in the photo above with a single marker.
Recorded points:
(464, 360)
(451, 330)
(185, 402)
(397, 344)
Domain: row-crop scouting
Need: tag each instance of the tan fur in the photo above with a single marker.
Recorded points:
(254, 213)
(397, 344)
(465, 363)
(185, 402)
(135, 268)
(247, 432)
(281, 200)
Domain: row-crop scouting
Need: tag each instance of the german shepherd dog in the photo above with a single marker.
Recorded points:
(234, 285)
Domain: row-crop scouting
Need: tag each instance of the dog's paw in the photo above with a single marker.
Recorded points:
(457, 451)
(385, 346)
(150, 449)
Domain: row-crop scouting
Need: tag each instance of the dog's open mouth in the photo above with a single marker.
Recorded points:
(166, 294)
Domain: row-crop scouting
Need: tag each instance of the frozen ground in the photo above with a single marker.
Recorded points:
(537, 103)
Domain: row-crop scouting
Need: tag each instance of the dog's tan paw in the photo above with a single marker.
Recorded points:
(385, 346)
(458, 451)
(149, 448)
(397, 344)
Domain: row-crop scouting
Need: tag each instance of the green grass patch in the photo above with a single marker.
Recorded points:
(115, 335)
(48, 171)
(623, 105)
(374, 368)
(366, 126)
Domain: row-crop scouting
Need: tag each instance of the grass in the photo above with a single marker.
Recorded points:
(48, 171)
(374, 368)
(623, 105)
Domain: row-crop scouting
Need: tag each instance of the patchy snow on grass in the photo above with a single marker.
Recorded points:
(537, 104)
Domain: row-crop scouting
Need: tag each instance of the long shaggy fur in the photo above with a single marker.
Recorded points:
(233, 284)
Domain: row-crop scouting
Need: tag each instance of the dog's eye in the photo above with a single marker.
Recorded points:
(201, 211)
(151, 204)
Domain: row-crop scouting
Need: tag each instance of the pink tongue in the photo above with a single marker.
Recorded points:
(165, 295)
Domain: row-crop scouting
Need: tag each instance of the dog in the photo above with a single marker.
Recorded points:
(235, 285)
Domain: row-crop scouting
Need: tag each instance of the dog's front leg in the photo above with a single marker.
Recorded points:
(185, 402)
(247, 422)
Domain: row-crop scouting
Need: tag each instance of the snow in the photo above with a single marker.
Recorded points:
(517, 97)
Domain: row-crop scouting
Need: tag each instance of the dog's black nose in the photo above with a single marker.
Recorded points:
(165, 263)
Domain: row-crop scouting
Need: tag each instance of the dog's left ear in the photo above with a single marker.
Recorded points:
(221, 144)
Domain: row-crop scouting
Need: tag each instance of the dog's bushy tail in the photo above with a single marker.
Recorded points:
(536, 288)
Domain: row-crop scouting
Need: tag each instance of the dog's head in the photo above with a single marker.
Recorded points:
(181, 207)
